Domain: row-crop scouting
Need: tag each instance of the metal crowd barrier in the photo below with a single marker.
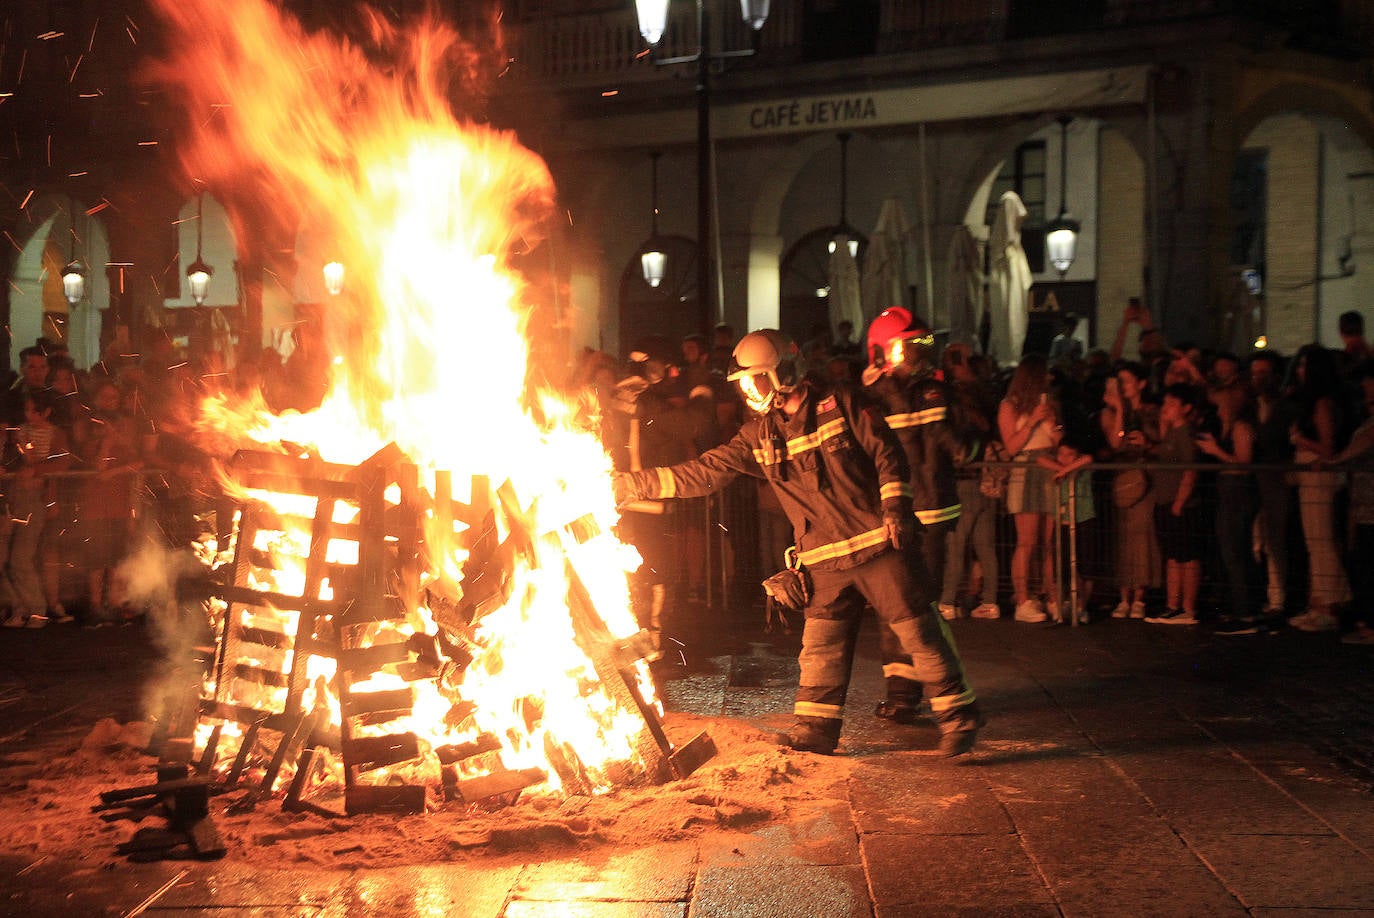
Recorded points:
(731, 541)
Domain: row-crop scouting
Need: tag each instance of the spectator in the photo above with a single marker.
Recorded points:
(1028, 427)
(1065, 347)
(1178, 511)
(1274, 415)
(971, 410)
(1355, 350)
(722, 348)
(1318, 436)
(1069, 462)
(1129, 425)
(1233, 444)
(1358, 458)
(42, 449)
(107, 441)
(33, 377)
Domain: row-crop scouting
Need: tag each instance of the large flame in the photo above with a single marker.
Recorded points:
(359, 141)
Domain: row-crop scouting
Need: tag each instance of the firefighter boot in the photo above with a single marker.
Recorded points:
(959, 736)
(903, 702)
(812, 734)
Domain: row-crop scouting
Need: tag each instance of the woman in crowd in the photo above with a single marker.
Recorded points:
(1029, 429)
(1130, 425)
(1317, 437)
(1233, 444)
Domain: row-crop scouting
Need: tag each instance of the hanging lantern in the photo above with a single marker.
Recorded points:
(198, 275)
(334, 278)
(1061, 236)
(755, 12)
(653, 19)
(654, 263)
(73, 282)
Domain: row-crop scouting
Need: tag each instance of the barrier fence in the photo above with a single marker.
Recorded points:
(1255, 528)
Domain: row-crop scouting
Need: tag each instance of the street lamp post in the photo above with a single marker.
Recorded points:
(653, 18)
(1061, 236)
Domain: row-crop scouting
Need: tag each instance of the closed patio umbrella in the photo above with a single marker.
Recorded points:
(1010, 281)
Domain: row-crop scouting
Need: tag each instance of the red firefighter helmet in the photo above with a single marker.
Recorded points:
(766, 365)
(895, 339)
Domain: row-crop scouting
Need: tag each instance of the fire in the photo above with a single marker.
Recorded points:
(426, 211)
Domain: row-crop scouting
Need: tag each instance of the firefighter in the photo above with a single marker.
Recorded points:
(901, 377)
(841, 477)
(646, 423)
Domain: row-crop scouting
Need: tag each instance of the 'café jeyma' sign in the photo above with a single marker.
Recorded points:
(799, 113)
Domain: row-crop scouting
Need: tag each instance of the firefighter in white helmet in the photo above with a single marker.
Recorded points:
(841, 477)
(901, 378)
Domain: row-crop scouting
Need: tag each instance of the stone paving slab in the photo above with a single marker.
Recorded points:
(889, 796)
(1139, 888)
(1096, 832)
(821, 836)
(660, 873)
(781, 892)
(1253, 807)
(1284, 871)
(952, 872)
(522, 909)
(451, 890)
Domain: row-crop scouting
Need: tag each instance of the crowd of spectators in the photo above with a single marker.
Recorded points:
(95, 462)
(1209, 487)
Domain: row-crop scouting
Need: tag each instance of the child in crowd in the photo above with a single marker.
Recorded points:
(1069, 464)
(1178, 515)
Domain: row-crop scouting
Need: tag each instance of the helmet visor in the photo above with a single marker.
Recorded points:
(757, 388)
(911, 350)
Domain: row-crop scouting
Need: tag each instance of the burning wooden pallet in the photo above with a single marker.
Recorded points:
(265, 715)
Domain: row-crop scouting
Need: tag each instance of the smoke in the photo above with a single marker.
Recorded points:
(148, 579)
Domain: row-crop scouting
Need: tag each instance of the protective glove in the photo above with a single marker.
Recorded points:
(627, 393)
(789, 589)
(900, 528)
(623, 487)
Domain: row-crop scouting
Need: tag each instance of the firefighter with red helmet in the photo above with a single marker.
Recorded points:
(842, 478)
(901, 377)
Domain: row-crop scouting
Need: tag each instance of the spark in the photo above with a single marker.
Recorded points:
(17, 246)
(147, 143)
(91, 44)
(49, 36)
(606, 94)
(76, 67)
(76, 174)
(27, 198)
(97, 208)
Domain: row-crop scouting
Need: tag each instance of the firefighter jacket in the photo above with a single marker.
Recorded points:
(917, 409)
(835, 466)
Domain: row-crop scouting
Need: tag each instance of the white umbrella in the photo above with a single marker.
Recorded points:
(884, 282)
(965, 286)
(844, 300)
(1010, 281)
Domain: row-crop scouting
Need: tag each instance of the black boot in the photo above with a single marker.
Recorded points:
(812, 734)
(903, 703)
(959, 736)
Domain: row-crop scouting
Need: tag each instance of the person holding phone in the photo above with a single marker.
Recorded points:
(1029, 426)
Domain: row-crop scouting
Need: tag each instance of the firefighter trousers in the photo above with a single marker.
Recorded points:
(827, 653)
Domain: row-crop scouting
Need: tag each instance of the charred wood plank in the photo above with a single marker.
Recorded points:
(385, 798)
(371, 659)
(501, 782)
(266, 637)
(160, 789)
(360, 704)
(261, 675)
(368, 752)
(451, 755)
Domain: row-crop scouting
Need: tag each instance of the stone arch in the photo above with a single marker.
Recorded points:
(35, 295)
(1310, 97)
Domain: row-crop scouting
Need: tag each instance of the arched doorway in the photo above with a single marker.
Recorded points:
(1302, 240)
(64, 231)
(671, 309)
(806, 290)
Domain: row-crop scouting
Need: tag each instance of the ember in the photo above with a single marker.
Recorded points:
(422, 597)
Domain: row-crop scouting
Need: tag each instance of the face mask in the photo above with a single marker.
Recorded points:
(759, 392)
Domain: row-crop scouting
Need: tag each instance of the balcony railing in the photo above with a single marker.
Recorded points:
(587, 47)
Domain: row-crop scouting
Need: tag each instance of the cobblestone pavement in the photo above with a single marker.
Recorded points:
(1127, 768)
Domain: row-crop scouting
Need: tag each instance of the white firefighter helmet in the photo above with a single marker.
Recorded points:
(766, 365)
